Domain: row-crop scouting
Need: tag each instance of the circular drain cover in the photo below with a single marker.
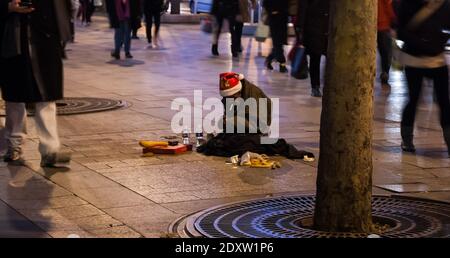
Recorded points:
(282, 217)
(72, 106)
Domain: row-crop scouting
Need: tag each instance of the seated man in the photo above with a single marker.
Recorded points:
(246, 103)
(248, 116)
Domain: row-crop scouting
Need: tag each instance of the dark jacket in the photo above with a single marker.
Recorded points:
(249, 90)
(136, 13)
(279, 6)
(312, 25)
(36, 78)
(153, 6)
(277, 14)
(112, 13)
(427, 39)
(225, 8)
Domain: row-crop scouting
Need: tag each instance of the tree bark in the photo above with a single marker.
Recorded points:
(344, 181)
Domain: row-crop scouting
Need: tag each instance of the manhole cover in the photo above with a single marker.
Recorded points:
(283, 217)
(72, 106)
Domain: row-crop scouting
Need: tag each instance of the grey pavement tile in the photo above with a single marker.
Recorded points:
(15, 225)
(54, 202)
(115, 232)
(110, 197)
(81, 180)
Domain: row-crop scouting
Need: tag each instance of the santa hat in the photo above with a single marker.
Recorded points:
(230, 83)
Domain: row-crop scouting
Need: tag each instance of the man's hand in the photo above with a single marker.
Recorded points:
(14, 7)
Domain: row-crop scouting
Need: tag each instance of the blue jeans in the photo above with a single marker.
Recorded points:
(122, 36)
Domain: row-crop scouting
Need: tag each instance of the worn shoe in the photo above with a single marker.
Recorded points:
(115, 54)
(408, 147)
(315, 92)
(407, 134)
(215, 50)
(13, 156)
(128, 55)
(53, 160)
(283, 68)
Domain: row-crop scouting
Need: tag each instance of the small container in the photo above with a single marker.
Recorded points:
(185, 136)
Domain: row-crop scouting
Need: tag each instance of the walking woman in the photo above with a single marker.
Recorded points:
(245, 9)
(278, 15)
(312, 30)
(119, 17)
(229, 10)
(420, 27)
(152, 12)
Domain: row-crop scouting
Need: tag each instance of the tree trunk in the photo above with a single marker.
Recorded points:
(344, 181)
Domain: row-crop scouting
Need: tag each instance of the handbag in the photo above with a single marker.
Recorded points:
(401, 58)
(262, 32)
(299, 63)
(206, 25)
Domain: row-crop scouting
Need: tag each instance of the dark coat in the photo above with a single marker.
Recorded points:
(427, 39)
(135, 11)
(277, 14)
(225, 8)
(280, 6)
(249, 90)
(38, 77)
(312, 25)
(153, 6)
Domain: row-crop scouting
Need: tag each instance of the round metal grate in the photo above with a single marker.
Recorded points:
(282, 218)
(72, 106)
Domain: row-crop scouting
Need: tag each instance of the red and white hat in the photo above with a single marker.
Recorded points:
(230, 83)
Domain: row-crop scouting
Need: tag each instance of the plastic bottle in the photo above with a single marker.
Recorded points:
(199, 137)
(185, 136)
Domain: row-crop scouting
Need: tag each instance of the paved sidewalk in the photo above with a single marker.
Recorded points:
(111, 191)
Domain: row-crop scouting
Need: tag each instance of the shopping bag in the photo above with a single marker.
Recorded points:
(206, 25)
(299, 63)
(262, 32)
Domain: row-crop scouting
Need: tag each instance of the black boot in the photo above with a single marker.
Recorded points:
(315, 91)
(215, 50)
(268, 64)
(407, 139)
(447, 138)
(283, 68)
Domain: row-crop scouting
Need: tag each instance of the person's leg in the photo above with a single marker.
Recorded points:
(314, 73)
(239, 26)
(384, 42)
(148, 26)
(235, 43)
(127, 38)
(91, 12)
(217, 28)
(47, 129)
(16, 129)
(118, 38)
(440, 78)
(414, 77)
(278, 24)
(157, 18)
